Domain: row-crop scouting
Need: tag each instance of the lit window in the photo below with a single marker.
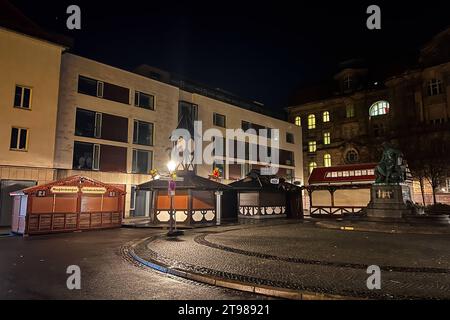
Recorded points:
(327, 160)
(312, 146)
(22, 97)
(434, 87)
(350, 111)
(326, 116)
(298, 121)
(334, 174)
(348, 82)
(311, 121)
(19, 139)
(379, 108)
(312, 166)
(326, 138)
(357, 173)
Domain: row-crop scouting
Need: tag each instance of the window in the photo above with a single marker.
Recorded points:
(311, 121)
(88, 124)
(434, 87)
(298, 121)
(143, 133)
(448, 184)
(289, 137)
(90, 86)
(351, 156)
(246, 125)
(379, 108)
(350, 111)
(327, 160)
(144, 100)
(22, 97)
(86, 156)
(326, 138)
(312, 166)
(219, 120)
(142, 161)
(19, 139)
(348, 82)
(312, 146)
(326, 116)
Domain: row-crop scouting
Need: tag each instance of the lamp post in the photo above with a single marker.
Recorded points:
(171, 166)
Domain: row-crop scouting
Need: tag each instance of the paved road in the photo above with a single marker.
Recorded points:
(35, 268)
(304, 257)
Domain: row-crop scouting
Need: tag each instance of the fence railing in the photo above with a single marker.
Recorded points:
(328, 211)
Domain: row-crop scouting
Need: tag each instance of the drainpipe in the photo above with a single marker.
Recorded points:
(218, 206)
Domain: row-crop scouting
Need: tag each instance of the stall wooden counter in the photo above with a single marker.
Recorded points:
(72, 204)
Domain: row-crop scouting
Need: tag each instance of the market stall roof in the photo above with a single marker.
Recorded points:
(256, 181)
(347, 174)
(73, 181)
(187, 181)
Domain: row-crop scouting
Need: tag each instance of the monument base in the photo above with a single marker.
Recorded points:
(389, 202)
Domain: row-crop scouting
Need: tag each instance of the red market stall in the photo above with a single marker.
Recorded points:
(72, 204)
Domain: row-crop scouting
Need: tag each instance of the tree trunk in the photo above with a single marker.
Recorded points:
(422, 190)
(434, 195)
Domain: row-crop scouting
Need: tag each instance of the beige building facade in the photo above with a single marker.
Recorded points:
(115, 126)
(29, 84)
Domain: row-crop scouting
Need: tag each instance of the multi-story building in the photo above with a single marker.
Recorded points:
(115, 125)
(30, 62)
(346, 121)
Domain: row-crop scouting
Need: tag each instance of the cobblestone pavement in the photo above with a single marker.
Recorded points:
(303, 257)
(35, 268)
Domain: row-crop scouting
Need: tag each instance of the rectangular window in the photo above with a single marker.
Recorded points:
(246, 125)
(19, 139)
(86, 156)
(133, 198)
(142, 161)
(289, 137)
(327, 138)
(144, 100)
(434, 87)
(143, 133)
(104, 90)
(22, 97)
(88, 124)
(350, 111)
(219, 120)
(312, 146)
(89, 86)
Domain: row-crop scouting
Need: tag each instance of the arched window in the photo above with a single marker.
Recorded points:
(311, 166)
(326, 116)
(311, 121)
(327, 160)
(379, 108)
(298, 121)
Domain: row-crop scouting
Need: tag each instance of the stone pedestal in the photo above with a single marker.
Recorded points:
(388, 202)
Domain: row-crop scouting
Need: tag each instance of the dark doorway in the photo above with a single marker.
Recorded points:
(6, 187)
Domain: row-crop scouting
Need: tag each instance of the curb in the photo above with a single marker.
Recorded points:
(355, 228)
(275, 292)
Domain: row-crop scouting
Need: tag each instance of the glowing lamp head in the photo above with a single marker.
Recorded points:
(171, 166)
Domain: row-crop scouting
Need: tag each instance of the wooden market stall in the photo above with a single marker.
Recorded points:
(197, 200)
(71, 204)
(262, 196)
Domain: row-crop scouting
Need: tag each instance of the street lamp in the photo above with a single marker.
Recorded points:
(171, 166)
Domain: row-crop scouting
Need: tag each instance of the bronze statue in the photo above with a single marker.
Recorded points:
(391, 168)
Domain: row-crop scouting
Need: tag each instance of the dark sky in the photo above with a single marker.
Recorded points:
(259, 50)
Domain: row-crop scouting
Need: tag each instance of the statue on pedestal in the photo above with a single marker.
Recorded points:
(392, 168)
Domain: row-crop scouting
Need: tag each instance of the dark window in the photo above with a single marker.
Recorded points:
(142, 161)
(22, 97)
(86, 156)
(143, 133)
(144, 100)
(286, 158)
(133, 198)
(246, 125)
(87, 86)
(19, 137)
(116, 93)
(113, 159)
(219, 120)
(189, 111)
(114, 128)
(289, 137)
(85, 124)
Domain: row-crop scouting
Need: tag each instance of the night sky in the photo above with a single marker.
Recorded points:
(257, 50)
